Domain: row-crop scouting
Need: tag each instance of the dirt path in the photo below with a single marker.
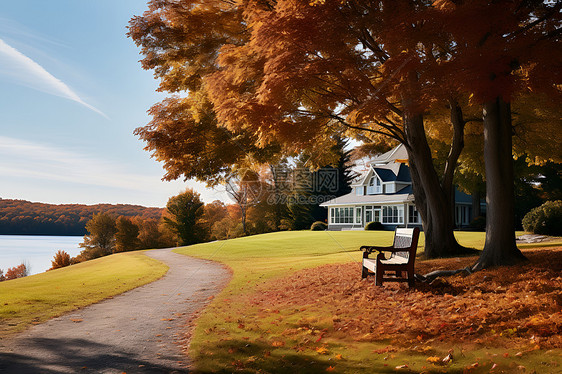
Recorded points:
(140, 331)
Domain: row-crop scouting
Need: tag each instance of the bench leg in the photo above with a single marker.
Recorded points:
(378, 277)
(364, 272)
(411, 279)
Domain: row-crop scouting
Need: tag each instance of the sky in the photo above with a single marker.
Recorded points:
(71, 94)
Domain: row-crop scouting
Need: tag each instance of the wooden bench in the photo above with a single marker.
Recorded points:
(402, 257)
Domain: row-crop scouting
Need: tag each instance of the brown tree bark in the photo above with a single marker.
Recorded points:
(500, 247)
(432, 201)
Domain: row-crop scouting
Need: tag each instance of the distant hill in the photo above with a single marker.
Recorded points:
(20, 217)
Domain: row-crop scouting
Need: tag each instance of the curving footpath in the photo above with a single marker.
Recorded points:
(141, 331)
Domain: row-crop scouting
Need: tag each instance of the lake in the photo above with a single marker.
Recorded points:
(35, 251)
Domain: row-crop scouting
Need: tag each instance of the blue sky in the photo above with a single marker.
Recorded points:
(71, 93)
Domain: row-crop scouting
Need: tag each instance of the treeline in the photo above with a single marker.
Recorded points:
(20, 217)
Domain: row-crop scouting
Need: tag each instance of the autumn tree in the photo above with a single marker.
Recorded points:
(60, 259)
(184, 214)
(246, 189)
(15, 272)
(126, 237)
(154, 234)
(296, 72)
(310, 79)
(510, 49)
(100, 239)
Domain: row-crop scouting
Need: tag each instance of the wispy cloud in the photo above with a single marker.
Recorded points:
(43, 172)
(31, 74)
(21, 158)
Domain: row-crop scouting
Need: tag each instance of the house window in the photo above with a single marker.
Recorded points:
(358, 215)
(413, 214)
(359, 191)
(393, 214)
(375, 186)
(463, 215)
(342, 215)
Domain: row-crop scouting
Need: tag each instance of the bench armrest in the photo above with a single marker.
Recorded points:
(392, 249)
(368, 249)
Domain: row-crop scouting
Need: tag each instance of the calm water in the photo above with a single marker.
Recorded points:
(36, 251)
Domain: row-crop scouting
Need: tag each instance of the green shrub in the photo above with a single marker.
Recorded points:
(374, 226)
(319, 226)
(545, 219)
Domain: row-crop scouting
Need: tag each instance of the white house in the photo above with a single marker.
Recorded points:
(384, 194)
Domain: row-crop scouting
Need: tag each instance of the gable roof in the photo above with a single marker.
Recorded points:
(395, 172)
(397, 153)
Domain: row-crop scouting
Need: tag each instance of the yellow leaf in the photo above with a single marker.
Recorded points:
(339, 357)
(321, 350)
(434, 359)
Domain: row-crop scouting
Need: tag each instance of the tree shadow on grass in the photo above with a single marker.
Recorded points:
(237, 355)
(46, 355)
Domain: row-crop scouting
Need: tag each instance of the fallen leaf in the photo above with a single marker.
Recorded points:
(434, 359)
(339, 357)
(278, 343)
(77, 320)
(330, 368)
(321, 350)
(402, 367)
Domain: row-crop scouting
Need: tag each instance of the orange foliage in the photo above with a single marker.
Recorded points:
(60, 259)
(520, 306)
(19, 271)
(24, 217)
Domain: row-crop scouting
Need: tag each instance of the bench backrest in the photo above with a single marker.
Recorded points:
(407, 239)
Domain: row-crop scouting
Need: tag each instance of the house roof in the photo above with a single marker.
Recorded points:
(398, 153)
(404, 174)
(386, 175)
(461, 197)
(404, 195)
(395, 172)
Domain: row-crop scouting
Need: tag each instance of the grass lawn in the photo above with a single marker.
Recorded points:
(37, 298)
(269, 318)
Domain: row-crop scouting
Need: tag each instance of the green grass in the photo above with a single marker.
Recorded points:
(220, 344)
(37, 298)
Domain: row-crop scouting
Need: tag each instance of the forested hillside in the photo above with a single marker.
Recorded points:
(20, 217)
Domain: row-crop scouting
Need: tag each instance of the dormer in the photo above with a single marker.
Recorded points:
(374, 187)
(387, 179)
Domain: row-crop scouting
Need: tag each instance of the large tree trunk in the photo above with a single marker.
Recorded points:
(476, 204)
(500, 247)
(434, 203)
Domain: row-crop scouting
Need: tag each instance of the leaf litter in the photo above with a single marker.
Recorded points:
(513, 307)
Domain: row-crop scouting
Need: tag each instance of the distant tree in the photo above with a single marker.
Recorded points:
(153, 235)
(100, 240)
(2, 277)
(184, 214)
(126, 237)
(24, 217)
(214, 212)
(245, 187)
(19, 271)
(61, 259)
